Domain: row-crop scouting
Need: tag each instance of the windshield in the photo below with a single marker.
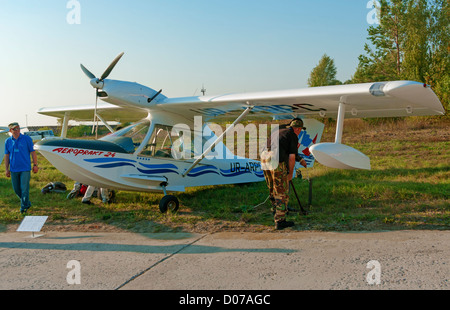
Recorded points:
(129, 137)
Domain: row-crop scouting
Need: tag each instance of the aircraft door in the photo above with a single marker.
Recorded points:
(160, 142)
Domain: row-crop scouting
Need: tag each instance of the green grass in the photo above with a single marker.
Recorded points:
(407, 188)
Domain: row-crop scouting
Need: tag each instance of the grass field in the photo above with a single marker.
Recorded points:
(407, 188)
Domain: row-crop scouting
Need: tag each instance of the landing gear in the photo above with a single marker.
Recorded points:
(169, 203)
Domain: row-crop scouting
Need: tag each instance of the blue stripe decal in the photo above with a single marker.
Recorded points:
(260, 174)
(107, 163)
(190, 174)
(228, 173)
(114, 165)
(203, 170)
(156, 171)
(168, 166)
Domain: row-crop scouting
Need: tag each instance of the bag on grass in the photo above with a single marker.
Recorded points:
(54, 187)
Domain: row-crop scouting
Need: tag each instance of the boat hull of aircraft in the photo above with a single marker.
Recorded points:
(109, 168)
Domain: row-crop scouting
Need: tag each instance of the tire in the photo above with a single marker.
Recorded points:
(169, 203)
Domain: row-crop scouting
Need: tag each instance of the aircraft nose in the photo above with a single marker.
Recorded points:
(96, 83)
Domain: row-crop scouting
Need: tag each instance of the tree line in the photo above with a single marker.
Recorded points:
(411, 42)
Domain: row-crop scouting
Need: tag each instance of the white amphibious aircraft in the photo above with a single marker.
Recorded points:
(154, 154)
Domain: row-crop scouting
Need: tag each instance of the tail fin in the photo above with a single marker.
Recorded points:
(307, 138)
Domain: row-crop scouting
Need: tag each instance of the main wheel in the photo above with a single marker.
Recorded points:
(170, 203)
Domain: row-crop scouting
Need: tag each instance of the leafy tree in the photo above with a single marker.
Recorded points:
(411, 43)
(383, 57)
(415, 60)
(324, 73)
(438, 74)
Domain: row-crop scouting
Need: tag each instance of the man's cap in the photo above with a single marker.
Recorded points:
(13, 125)
(297, 122)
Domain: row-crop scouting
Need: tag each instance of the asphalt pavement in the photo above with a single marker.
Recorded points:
(284, 260)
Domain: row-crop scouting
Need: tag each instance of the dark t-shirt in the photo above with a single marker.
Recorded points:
(288, 144)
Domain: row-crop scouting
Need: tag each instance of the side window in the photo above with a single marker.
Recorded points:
(163, 138)
(160, 143)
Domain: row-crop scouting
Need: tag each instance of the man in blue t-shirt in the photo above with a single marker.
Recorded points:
(18, 149)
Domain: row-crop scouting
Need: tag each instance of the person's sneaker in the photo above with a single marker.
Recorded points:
(24, 210)
(283, 224)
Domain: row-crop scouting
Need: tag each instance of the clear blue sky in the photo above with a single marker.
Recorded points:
(176, 45)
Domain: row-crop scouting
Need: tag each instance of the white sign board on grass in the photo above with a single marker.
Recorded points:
(32, 224)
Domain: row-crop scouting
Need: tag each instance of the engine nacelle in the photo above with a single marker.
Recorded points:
(340, 156)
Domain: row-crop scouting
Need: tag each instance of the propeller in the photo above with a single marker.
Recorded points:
(97, 83)
(107, 71)
(87, 72)
(4, 130)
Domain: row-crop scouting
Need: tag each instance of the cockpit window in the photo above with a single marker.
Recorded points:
(160, 143)
(129, 137)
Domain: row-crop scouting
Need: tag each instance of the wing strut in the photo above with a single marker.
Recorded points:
(65, 125)
(340, 123)
(244, 114)
(338, 155)
(105, 123)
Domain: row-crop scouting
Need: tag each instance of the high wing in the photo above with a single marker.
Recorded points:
(379, 99)
(85, 113)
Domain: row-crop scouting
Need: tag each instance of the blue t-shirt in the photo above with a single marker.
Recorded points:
(19, 153)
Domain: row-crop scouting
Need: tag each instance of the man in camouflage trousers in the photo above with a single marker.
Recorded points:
(278, 162)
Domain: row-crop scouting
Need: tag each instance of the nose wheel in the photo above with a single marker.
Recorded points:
(169, 203)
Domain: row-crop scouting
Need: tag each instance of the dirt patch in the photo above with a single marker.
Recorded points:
(150, 227)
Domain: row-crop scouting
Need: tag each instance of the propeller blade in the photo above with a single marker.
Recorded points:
(87, 72)
(4, 129)
(111, 67)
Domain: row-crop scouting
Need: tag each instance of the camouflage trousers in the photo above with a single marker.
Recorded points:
(278, 183)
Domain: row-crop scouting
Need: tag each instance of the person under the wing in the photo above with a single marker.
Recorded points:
(278, 162)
